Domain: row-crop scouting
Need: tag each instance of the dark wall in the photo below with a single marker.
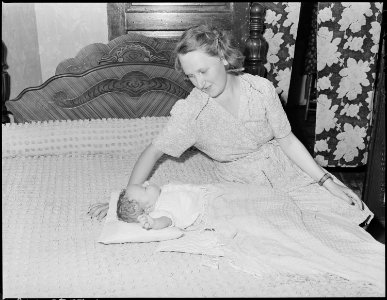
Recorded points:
(298, 68)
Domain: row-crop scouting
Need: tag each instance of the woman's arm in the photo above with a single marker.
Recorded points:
(144, 165)
(297, 152)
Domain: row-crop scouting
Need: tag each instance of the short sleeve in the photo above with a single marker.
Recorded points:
(181, 203)
(275, 112)
(178, 134)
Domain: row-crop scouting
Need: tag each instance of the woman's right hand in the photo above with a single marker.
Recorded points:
(98, 210)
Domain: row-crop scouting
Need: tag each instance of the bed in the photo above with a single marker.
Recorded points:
(75, 141)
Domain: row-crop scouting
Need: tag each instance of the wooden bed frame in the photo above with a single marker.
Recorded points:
(131, 76)
(122, 79)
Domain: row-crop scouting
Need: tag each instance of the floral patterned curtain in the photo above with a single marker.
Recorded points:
(281, 24)
(347, 45)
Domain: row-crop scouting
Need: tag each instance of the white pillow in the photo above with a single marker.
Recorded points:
(117, 231)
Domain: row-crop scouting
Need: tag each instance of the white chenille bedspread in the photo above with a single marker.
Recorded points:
(50, 246)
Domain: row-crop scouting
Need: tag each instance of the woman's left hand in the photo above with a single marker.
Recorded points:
(344, 193)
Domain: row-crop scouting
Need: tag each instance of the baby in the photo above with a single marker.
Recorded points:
(156, 208)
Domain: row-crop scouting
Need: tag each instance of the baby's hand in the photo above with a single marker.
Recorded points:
(146, 221)
(98, 210)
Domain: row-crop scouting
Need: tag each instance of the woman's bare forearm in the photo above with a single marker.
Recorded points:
(144, 165)
(297, 152)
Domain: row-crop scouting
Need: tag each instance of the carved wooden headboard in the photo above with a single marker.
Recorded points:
(131, 76)
(128, 48)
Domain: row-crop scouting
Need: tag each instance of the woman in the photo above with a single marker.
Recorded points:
(237, 119)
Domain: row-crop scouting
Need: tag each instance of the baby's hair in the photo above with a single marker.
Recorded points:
(128, 210)
(212, 41)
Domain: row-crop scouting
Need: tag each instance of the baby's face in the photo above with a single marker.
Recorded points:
(146, 194)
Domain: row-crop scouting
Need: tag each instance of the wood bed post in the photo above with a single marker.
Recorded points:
(256, 45)
(5, 89)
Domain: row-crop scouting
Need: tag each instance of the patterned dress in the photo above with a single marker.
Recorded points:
(244, 148)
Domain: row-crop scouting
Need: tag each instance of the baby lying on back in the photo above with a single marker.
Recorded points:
(157, 207)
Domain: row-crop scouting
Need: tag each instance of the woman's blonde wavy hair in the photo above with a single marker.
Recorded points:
(214, 42)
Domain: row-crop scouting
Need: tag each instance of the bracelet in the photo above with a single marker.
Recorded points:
(324, 178)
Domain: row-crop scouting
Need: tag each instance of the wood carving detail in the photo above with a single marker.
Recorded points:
(134, 84)
(89, 62)
(134, 53)
(131, 47)
(256, 45)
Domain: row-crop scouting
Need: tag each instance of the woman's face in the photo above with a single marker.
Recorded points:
(207, 73)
